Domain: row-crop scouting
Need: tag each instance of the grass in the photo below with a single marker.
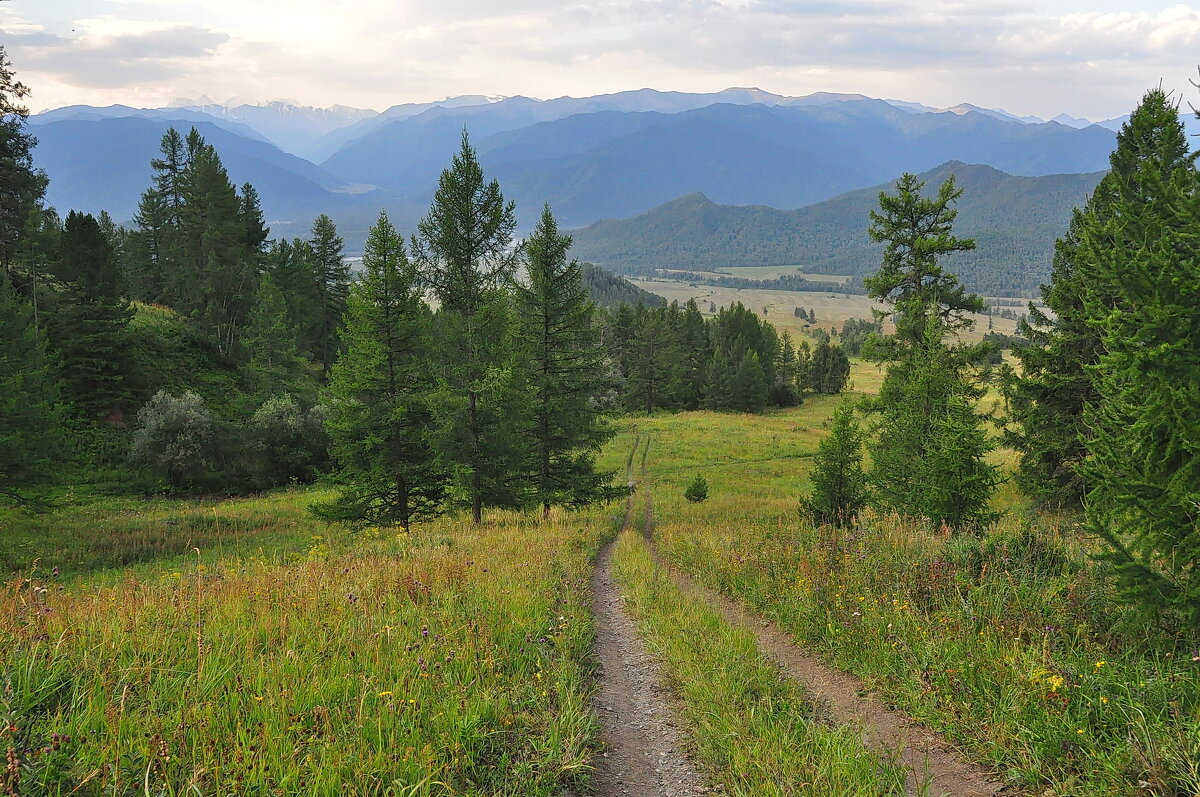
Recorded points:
(454, 661)
(1012, 644)
(755, 732)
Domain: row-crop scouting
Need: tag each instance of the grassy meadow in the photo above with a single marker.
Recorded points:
(1012, 644)
(300, 659)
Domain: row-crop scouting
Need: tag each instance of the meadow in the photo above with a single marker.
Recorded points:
(240, 646)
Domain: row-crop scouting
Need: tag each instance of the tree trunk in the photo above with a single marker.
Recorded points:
(476, 477)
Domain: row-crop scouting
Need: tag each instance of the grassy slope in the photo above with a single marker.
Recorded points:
(454, 661)
(1012, 645)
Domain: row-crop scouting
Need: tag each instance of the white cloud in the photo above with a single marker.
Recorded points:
(1085, 57)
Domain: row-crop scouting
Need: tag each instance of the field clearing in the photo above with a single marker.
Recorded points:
(764, 273)
(832, 310)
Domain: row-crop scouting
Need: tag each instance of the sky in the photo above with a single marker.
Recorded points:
(1088, 59)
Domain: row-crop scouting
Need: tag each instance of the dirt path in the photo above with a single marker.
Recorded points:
(935, 768)
(643, 751)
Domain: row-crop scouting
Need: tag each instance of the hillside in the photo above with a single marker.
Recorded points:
(1015, 221)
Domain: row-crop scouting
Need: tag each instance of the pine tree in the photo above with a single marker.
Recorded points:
(89, 323)
(839, 483)
(380, 419)
(22, 186)
(566, 370)
(290, 266)
(829, 369)
(749, 385)
(1141, 300)
(332, 281)
(650, 363)
(1056, 380)
(270, 338)
(465, 253)
(695, 352)
(29, 413)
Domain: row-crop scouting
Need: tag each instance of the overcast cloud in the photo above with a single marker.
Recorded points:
(1089, 59)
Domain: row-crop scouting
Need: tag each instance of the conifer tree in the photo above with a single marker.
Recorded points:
(332, 281)
(1056, 380)
(828, 370)
(1141, 300)
(650, 363)
(380, 420)
(270, 338)
(839, 483)
(23, 185)
(928, 446)
(89, 324)
(29, 413)
(567, 376)
(749, 386)
(290, 265)
(465, 253)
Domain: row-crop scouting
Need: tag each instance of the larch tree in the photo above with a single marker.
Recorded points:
(1056, 381)
(567, 375)
(465, 251)
(839, 483)
(1143, 471)
(380, 419)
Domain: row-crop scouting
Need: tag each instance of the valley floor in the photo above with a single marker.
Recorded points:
(659, 647)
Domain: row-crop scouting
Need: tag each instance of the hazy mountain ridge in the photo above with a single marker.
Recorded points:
(1014, 219)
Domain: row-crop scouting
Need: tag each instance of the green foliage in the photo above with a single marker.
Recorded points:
(464, 251)
(697, 491)
(839, 483)
(855, 333)
(88, 325)
(283, 444)
(929, 442)
(1143, 469)
(829, 369)
(610, 290)
(331, 280)
(929, 450)
(565, 364)
(30, 418)
(178, 439)
(1057, 377)
(23, 186)
(380, 417)
(275, 365)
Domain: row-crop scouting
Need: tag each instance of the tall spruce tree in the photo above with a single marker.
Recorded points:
(567, 375)
(89, 323)
(839, 483)
(1056, 381)
(332, 281)
(1141, 300)
(29, 411)
(380, 419)
(465, 251)
(928, 444)
(651, 359)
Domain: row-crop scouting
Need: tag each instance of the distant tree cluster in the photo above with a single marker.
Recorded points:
(784, 282)
(672, 358)
(611, 290)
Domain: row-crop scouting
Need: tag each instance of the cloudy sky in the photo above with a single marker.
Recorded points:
(1088, 58)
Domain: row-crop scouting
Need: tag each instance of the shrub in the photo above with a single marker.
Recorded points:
(177, 438)
(284, 443)
(697, 491)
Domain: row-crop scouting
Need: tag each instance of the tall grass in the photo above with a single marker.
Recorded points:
(454, 661)
(1012, 644)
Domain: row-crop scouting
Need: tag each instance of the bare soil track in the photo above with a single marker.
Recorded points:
(934, 766)
(643, 754)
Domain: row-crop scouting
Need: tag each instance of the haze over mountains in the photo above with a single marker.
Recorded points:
(592, 158)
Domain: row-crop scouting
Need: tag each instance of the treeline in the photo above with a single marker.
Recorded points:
(610, 290)
(784, 282)
(673, 358)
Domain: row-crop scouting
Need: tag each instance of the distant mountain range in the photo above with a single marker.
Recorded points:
(592, 158)
(1014, 219)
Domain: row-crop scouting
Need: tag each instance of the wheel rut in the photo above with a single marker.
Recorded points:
(934, 767)
(643, 751)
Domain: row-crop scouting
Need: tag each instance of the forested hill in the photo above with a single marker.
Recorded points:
(1015, 221)
(611, 290)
